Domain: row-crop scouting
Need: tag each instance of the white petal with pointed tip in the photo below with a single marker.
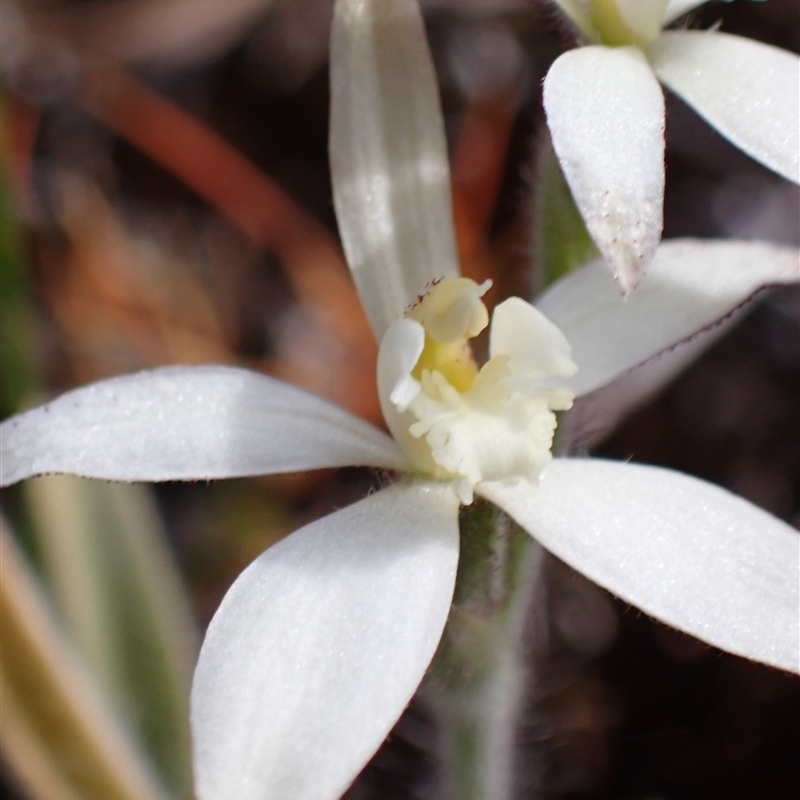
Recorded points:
(391, 179)
(188, 423)
(748, 91)
(320, 644)
(605, 111)
(684, 551)
(690, 285)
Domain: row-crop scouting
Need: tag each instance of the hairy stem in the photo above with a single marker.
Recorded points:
(481, 670)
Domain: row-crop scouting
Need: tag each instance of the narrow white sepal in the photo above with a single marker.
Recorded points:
(688, 553)
(691, 284)
(746, 90)
(391, 179)
(319, 646)
(605, 111)
(188, 423)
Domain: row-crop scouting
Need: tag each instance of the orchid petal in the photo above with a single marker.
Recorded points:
(748, 91)
(320, 644)
(391, 180)
(188, 423)
(688, 553)
(691, 284)
(677, 8)
(605, 111)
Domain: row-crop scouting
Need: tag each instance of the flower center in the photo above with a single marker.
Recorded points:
(460, 423)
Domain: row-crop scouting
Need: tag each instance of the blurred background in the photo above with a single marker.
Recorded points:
(166, 200)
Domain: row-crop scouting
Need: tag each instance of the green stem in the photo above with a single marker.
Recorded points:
(481, 670)
(561, 241)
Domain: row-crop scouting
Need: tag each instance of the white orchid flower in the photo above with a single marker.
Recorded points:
(605, 111)
(321, 642)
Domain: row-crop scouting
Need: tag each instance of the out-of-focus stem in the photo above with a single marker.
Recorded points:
(482, 669)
